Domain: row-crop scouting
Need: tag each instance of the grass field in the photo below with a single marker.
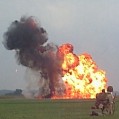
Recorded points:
(50, 109)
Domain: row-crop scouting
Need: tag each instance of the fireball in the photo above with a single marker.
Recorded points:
(81, 76)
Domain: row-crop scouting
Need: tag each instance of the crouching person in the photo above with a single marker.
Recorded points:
(100, 99)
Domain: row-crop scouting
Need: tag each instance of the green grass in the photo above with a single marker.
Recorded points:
(50, 109)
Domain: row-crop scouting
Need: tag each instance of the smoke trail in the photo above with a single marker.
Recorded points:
(28, 38)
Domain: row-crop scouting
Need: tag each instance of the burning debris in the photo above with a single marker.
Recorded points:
(52, 71)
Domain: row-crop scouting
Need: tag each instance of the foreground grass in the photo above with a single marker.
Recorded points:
(50, 109)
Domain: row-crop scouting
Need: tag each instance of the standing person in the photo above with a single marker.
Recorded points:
(110, 98)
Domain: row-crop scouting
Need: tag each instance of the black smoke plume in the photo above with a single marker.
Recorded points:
(28, 39)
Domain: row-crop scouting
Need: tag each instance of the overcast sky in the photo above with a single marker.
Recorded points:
(91, 26)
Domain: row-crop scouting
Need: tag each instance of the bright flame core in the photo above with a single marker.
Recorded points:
(82, 78)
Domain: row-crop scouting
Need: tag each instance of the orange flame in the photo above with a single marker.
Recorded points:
(82, 78)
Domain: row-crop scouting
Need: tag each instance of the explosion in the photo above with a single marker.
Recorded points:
(82, 77)
(52, 71)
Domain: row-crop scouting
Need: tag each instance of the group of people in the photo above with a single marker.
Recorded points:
(105, 101)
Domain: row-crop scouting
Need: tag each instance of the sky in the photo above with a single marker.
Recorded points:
(91, 26)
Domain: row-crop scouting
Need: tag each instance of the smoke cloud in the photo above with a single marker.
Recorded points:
(28, 38)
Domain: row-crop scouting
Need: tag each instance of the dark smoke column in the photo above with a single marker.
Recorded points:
(27, 37)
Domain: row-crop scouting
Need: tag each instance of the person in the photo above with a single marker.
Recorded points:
(105, 101)
(100, 99)
(99, 103)
(110, 99)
